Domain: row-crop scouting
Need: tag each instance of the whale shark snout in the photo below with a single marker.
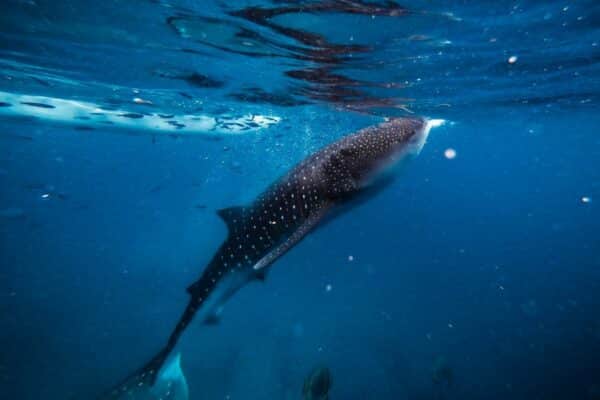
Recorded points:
(422, 134)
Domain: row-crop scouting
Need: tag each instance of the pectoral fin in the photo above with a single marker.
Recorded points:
(291, 241)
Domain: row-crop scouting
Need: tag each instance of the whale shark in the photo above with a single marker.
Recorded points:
(286, 212)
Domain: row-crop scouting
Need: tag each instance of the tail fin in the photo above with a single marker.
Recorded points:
(171, 382)
(147, 375)
(140, 381)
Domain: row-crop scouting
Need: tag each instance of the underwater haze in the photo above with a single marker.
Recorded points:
(125, 126)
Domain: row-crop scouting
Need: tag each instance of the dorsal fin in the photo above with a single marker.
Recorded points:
(231, 216)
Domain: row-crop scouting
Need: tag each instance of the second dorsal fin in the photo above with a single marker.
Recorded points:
(232, 216)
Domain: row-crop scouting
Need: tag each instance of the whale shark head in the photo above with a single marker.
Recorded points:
(361, 159)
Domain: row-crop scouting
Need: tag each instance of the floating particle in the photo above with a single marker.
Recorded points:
(328, 288)
(530, 308)
(45, 195)
(298, 329)
(451, 16)
(586, 199)
(512, 59)
(450, 153)
(450, 325)
(351, 258)
(386, 315)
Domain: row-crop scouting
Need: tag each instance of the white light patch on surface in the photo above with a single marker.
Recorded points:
(74, 112)
(139, 100)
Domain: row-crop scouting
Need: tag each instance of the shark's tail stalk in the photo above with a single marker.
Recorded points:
(147, 374)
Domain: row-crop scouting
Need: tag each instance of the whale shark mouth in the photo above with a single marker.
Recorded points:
(429, 124)
(90, 115)
(434, 123)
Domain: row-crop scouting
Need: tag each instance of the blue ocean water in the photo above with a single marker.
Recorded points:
(125, 126)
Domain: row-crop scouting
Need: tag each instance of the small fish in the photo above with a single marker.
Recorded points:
(12, 213)
(317, 384)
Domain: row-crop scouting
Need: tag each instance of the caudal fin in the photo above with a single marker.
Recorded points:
(144, 377)
(171, 382)
(139, 381)
(153, 382)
